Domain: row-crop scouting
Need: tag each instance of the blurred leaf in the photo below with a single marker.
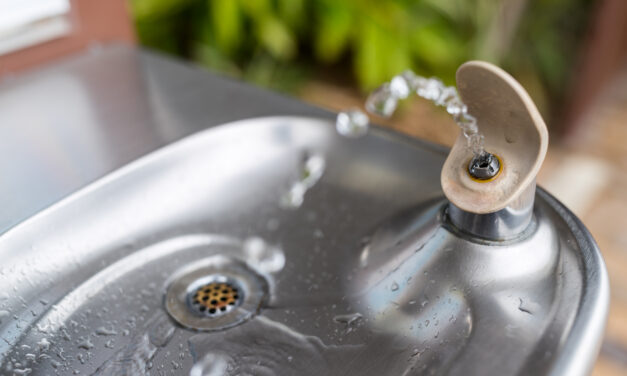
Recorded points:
(143, 9)
(265, 71)
(397, 56)
(293, 12)
(550, 61)
(255, 8)
(368, 60)
(438, 48)
(158, 35)
(333, 33)
(227, 24)
(276, 38)
(454, 9)
(211, 57)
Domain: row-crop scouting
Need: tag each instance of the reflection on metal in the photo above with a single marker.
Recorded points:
(508, 223)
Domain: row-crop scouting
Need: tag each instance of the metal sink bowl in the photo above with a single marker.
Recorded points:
(110, 280)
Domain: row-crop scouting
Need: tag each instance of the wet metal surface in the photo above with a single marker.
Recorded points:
(373, 279)
(364, 276)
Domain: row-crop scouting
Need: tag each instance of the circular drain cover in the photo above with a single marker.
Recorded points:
(216, 293)
(216, 297)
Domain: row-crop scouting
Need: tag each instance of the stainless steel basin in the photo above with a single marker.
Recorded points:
(83, 283)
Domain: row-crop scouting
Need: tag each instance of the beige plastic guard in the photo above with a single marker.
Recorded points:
(514, 131)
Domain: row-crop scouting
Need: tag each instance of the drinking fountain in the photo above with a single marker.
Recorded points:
(279, 246)
(492, 259)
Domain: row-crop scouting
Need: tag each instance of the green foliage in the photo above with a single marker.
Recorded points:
(276, 42)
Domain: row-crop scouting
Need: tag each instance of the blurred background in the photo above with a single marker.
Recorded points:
(570, 55)
(301, 46)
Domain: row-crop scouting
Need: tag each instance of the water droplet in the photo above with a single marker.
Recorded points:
(448, 94)
(294, 197)
(394, 286)
(86, 344)
(43, 344)
(211, 365)
(348, 319)
(312, 168)
(65, 335)
(528, 306)
(381, 101)
(22, 371)
(456, 107)
(43, 356)
(364, 256)
(102, 331)
(61, 354)
(432, 89)
(399, 87)
(259, 254)
(414, 81)
(353, 123)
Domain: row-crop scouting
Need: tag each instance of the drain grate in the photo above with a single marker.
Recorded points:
(214, 294)
(215, 298)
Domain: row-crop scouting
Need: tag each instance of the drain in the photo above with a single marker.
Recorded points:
(217, 293)
(215, 298)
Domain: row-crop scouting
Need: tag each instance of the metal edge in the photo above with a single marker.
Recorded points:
(583, 343)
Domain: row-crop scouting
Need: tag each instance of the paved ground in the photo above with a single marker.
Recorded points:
(588, 173)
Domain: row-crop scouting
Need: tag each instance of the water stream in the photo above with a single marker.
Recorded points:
(384, 100)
